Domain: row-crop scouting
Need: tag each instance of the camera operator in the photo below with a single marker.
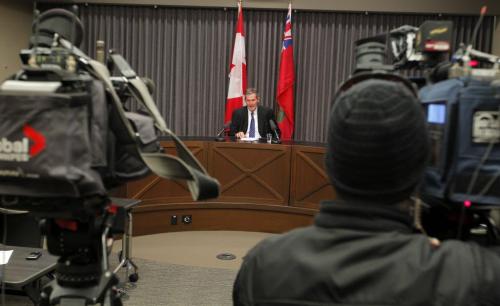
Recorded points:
(363, 248)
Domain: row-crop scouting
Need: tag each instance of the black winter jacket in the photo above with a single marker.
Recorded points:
(366, 254)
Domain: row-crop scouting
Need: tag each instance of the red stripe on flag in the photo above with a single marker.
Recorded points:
(239, 23)
(231, 105)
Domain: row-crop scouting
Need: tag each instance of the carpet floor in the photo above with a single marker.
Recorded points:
(169, 284)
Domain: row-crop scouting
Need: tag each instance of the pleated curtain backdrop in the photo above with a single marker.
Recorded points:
(187, 52)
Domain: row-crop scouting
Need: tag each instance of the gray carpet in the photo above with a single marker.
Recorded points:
(169, 284)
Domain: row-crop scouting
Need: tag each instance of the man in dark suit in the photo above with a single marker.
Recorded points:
(252, 120)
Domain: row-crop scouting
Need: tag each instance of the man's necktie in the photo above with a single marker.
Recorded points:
(251, 132)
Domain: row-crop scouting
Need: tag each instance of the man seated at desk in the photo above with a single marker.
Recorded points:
(252, 120)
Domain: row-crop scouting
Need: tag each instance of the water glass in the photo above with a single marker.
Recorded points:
(269, 137)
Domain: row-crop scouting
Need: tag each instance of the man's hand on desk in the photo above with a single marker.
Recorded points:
(240, 135)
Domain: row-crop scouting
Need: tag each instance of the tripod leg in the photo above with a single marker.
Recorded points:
(113, 298)
(45, 296)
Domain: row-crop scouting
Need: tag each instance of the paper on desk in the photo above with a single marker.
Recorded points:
(5, 256)
(249, 139)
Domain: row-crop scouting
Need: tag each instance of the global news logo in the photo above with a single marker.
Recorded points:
(22, 150)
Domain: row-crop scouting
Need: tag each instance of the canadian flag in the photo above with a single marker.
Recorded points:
(238, 71)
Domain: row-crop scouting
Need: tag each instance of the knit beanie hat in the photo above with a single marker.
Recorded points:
(377, 142)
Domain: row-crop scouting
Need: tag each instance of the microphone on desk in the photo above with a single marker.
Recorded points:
(220, 136)
(274, 129)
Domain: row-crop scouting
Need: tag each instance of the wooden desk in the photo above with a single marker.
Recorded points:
(264, 187)
(251, 173)
(25, 274)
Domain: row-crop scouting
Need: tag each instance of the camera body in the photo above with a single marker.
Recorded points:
(464, 127)
(423, 46)
(69, 134)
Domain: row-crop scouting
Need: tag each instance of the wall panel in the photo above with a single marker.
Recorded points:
(186, 51)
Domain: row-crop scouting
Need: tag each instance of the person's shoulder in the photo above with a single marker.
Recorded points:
(240, 110)
(459, 247)
(468, 266)
(470, 256)
(266, 109)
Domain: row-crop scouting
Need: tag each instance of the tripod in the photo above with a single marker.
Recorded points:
(82, 272)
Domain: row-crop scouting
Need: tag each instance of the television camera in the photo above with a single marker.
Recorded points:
(66, 140)
(460, 189)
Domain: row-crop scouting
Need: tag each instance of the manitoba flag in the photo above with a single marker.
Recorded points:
(238, 70)
(286, 82)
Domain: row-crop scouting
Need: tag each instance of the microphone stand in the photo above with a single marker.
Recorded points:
(277, 140)
(273, 128)
(221, 134)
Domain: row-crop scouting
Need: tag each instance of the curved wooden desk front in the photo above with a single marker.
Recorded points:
(264, 188)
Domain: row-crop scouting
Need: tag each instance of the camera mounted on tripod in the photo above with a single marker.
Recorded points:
(66, 140)
(461, 103)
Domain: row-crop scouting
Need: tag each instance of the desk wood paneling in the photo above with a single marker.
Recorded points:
(251, 173)
(309, 181)
(153, 218)
(267, 188)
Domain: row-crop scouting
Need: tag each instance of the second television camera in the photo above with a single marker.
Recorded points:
(461, 186)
